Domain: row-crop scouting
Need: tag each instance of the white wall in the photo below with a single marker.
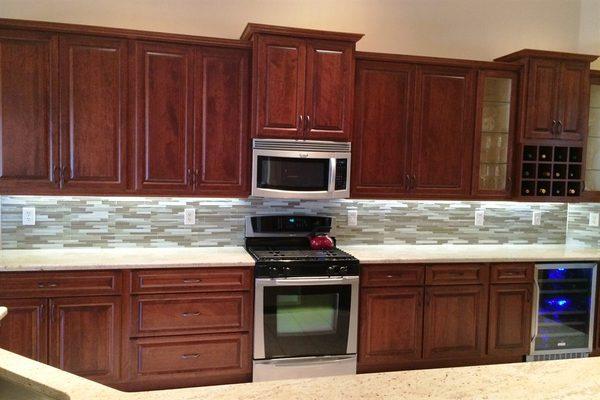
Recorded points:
(476, 29)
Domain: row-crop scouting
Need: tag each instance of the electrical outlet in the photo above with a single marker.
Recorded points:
(479, 214)
(594, 219)
(536, 218)
(28, 215)
(352, 217)
(189, 216)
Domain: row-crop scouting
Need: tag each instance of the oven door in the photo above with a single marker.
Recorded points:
(305, 317)
(300, 174)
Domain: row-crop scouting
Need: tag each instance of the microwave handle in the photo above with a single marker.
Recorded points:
(332, 172)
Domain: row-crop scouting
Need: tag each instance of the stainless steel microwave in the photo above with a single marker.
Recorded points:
(300, 169)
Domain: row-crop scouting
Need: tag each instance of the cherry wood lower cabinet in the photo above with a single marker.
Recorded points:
(455, 321)
(85, 336)
(24, 330)
(440, 315)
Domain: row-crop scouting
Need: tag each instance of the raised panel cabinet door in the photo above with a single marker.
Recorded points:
(542, 99)
(384, 103)
(574, 100)
(455, 321)
(221, 95)
(280, 67)
(24, 330)
(85, 334)
(329, 90)
(442, 143)
(164, 112)
(93, 112)
(510, 319)
(28, 112)
(391, 323)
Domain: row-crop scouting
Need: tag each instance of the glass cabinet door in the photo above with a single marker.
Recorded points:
(496, 98)
(592, 162)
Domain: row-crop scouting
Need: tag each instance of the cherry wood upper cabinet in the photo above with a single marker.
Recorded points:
(93, 113)
(557, 94)
(510, 319)
(329, 89)
(221, 98)
(24, 329)
(383, 110)
(163, 113)
(303, 82)
(495, 126)
(28, 111)
(455, 321)
(442, 141)
(85, 334)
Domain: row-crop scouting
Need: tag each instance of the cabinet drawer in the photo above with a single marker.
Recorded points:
(191, 280)
(49, 284)
(392, 275)
(511, 273)
(192, 355)
(456, 274)
(191, 313)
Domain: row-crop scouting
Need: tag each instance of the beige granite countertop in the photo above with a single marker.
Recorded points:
(471, 253)
(3, 312)
(577, 379)
(101, 258)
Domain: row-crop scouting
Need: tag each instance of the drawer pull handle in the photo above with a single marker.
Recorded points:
(190, 314)
(52, 284)
(511, 273)
(457, 273)
(190, 356)
(43, 285)
(191, 281)
(389, 276)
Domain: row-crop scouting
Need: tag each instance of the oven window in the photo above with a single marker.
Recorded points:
(293, 174)
(306, 320)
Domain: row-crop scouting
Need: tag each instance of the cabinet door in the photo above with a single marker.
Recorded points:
(164, 117)
(280, 67)
(509, 319)
(24, 330)
(85, 334)
(442, 144)
(329, 90)
(93, 101)
(574, 100)
(384, 103)
(28, 112)
(542, 99)
(494, 133)
(592, 159)
(221, 121)
(455, 321)
(391, 323)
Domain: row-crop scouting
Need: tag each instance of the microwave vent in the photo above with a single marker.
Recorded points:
(301, 145)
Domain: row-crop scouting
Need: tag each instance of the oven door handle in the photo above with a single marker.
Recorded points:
(308, 361)
(306, 281)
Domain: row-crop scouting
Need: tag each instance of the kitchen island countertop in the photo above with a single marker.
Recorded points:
(565, 380)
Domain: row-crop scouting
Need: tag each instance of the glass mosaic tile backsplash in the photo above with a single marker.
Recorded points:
(154, 222)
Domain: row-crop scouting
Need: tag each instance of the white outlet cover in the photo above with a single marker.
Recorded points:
(594, 219)
(28, 215)
(352, 217)
(536, 218)
(479, 217)
(189, 216)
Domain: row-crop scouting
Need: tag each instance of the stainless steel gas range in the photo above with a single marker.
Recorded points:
(306, 301)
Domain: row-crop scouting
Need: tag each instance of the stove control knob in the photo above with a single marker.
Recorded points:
(287, 271)
(331, 270)
(343, 270)
(273, 271)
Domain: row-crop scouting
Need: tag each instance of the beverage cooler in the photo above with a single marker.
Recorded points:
(563, 311)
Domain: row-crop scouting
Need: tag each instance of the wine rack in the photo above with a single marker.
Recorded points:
(551, 171)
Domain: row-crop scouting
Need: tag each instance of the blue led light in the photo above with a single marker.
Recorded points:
(562, 269)
(557, 302)
(292, 220)
(557, 274)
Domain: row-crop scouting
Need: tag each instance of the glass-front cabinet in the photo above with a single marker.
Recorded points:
(495, 124)
(592, 161)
